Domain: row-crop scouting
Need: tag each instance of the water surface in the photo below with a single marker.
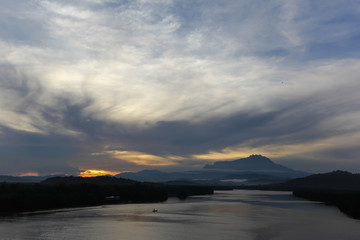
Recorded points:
(238, 214)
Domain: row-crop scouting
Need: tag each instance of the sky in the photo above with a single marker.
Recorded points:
(116, 85)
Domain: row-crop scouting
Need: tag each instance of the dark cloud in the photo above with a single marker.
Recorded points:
(175, 78)
(69, 135)
(336, 158)
(29, 152)
(297, 122)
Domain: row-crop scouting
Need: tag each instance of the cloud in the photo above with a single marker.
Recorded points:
(140, 158)
(164, 79)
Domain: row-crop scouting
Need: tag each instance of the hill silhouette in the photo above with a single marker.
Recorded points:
(336, 180)
(100, 180)
(254, 169)
(66, 192)
(23, 179)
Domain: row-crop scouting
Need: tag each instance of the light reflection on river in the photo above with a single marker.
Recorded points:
(238, 214)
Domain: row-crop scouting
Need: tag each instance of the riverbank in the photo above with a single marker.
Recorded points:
(347, 201)
(23, 197)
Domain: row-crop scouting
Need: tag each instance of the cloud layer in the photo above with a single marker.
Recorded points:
(122, 85)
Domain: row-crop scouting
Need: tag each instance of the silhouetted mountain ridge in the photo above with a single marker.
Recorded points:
(251, 163)
(255, 169)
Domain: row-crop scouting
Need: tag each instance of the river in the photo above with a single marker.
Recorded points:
(238, 214)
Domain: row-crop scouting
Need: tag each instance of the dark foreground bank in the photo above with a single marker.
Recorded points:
(22, 197)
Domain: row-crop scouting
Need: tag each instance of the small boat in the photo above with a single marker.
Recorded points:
(155, 210)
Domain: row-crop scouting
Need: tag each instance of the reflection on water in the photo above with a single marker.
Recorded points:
(232, 215)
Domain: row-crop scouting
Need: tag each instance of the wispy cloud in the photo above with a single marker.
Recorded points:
(176, 78)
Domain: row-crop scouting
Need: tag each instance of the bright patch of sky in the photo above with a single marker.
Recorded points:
(126, 85)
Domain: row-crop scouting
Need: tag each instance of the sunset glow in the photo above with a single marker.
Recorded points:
(95, 173)
(130, 118)
(141, 158)
(29, 174)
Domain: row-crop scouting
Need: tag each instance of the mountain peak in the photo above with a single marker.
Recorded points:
(251, 163)
(244, 168)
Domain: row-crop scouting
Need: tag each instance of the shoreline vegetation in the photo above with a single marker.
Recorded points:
(70, 192)
(338, 188)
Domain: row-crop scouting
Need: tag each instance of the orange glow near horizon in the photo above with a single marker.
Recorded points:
(96, 173)
(29, 174)
(141, 158)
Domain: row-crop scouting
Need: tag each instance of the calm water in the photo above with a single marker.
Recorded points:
(231, 215)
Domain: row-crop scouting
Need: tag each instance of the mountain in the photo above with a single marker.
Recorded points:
(255, 164)
(255, 169)
(252, 163)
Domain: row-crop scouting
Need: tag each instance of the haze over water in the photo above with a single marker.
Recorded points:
(238, 214)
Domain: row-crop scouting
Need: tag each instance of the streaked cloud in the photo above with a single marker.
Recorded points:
(140, 158)
(176, 82)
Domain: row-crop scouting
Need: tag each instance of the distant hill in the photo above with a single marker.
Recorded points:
(153, 176)
(25, 179)
(255, 169)
(336, 180)
(89, 180)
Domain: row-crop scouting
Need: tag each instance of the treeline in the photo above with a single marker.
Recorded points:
(76, 192)
(20, 197)
(182, 192)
